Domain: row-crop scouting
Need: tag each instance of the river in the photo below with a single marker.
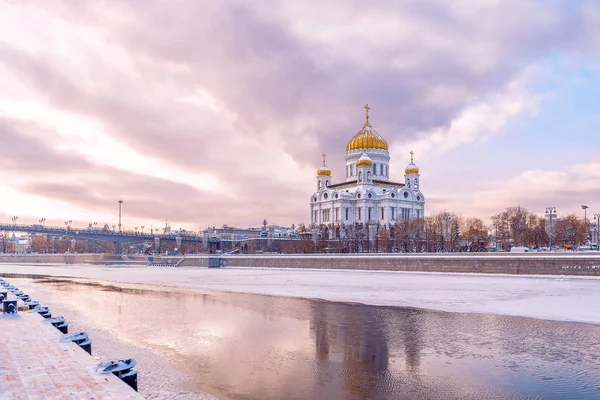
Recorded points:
(192, 343)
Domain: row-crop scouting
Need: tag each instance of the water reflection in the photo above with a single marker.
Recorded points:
(242, 346)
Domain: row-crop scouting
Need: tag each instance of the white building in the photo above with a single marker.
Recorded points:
(367, 196)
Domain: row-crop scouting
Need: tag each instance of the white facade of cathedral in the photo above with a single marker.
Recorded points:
(367, 196)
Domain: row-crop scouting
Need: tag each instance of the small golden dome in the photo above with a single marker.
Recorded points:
(412, 167)
(324, 171)
(367, 138)
(364, 160)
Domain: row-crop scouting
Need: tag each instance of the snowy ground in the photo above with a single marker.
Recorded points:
(548, 297)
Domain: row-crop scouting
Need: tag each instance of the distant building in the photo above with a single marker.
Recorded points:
(21, 244)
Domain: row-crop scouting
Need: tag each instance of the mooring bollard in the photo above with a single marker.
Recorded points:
(3, 295)
(59, 323)
(123, 369)
(44, 312)
(82, 340)
(9, 307)
(32, 304)
(24, 297)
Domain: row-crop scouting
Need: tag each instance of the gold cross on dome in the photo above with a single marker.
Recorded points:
(324, 155)
(411, 155)
(367, 108)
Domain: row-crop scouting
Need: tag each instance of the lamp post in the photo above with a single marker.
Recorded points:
(42, 221)
(597, 218)
(584, 207)
(447, 219)
(68, 224)
(142, 229)
(14, 220)
(549, 212)
(120, 202)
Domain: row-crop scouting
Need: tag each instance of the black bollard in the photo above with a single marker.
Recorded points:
(32, 304)
(3, 295)
(64, 327)
(9, 307)
(130, 378)
(82, 340)
(87, 346)
(24, 297)
(123, 369)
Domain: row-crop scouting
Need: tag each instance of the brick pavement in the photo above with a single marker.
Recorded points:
(35, 364)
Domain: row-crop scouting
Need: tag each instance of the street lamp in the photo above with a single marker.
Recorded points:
(42, 221)
(68, 224)
(14, 220)
(549, 212)
(597, 218)
(120, 202)
(447, 218)
(142, 229)
(584, 207)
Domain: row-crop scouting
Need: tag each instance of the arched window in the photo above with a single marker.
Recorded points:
(380, 169)
(360, 176)
(374, 169)
(368, 176)
(416, 183)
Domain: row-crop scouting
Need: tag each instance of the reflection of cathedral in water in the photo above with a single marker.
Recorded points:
(356, 340)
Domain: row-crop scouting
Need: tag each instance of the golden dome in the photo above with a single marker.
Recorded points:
(324, 170)
(367, 138)
(364, 160)
(412, 167)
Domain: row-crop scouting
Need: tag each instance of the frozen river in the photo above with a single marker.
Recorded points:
(563, 298)
(191, 340)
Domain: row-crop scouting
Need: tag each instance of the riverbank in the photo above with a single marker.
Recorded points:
(567, 263)
(562, 298)
(38, 363)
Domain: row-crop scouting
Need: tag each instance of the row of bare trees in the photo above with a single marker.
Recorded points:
(446, 231)
(516, 226)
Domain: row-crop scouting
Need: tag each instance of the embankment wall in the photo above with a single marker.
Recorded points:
(521, 264)
(51, 258)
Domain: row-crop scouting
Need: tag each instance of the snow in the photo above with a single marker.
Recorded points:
(569, 298)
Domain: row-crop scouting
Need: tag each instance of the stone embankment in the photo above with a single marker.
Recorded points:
(507, 263)
(488, 263)
(66, 258)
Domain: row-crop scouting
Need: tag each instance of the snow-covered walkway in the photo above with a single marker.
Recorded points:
(549, 297)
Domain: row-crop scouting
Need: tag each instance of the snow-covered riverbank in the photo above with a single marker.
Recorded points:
(549, 297)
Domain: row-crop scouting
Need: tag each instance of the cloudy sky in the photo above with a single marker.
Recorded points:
(206, 113)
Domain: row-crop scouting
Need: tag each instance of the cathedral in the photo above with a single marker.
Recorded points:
(367, 196)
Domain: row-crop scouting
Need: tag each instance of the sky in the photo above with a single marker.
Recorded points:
(209, 113)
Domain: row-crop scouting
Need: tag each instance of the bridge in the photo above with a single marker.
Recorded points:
(117, 238)
(99, 234)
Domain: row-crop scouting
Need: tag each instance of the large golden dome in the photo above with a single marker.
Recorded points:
(367, 138)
